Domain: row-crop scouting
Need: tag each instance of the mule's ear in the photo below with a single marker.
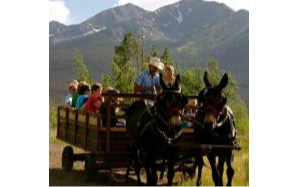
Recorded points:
(224, 81)
(178, 83)
(206, 80)
(163, 85)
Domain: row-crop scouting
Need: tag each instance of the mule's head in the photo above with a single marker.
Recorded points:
(170, 103)
(213, 100)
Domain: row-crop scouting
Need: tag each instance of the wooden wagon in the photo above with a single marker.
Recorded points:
(107, 147)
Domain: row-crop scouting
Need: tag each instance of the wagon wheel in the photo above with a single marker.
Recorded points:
(67, 158)
(90, 167)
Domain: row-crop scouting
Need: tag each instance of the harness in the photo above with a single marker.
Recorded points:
(166, 138)
(226, 122)
(156, 119)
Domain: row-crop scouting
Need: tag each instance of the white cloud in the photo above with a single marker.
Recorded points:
(58, 11)
(155, 4)
(148, 4)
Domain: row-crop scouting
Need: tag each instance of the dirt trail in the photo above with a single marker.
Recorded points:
(76, 177)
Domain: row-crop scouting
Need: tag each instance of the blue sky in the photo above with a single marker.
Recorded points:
(76, 11)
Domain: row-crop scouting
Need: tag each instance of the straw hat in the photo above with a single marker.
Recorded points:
(154, 61)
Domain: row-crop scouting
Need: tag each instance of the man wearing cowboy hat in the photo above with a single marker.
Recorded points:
(148, 79)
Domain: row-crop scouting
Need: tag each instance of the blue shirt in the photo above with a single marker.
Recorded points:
(80, 101)
(145, 79)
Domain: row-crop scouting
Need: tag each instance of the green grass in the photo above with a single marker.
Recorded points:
(53, 125)
(241, 166)
(52, 117)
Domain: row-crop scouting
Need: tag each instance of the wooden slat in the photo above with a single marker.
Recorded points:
(80, 137)
(81, 131)
(76, 127)
(66, 125)
(62, 125)
(108, 124)
(97, 134)
(93, 120)
(62, 112)
(72, 114)
(58, 121)
(61, 133)
(81, 141)
(82, 117)
(92, 127)
(62, 120)
(70, 137)
(72, 128)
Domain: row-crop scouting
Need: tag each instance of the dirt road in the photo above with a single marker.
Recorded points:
(76, 177)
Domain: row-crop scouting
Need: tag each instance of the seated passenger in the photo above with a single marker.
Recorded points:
(69, 96)
(148, 80)
(95, 99)
(84, 92)
(84, 104)
(190, 113)
(169, 77)
(76, 95)
(103, 108)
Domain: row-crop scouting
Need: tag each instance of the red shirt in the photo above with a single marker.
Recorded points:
(90, 104)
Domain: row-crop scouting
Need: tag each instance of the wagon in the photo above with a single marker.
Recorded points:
(106, 147)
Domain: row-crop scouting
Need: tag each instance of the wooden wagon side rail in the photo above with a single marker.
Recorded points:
(142, 96)
(69, 124)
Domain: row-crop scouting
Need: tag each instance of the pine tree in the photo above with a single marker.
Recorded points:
(166, 57)
(80, 70)
(126, 63)
(154, 51)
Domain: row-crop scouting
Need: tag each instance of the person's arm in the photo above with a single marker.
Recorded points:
(138, 82)
(83, 107)
(157, 86)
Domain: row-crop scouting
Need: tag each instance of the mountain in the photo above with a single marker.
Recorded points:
(194, 31)
(101, 21)
(56, 28)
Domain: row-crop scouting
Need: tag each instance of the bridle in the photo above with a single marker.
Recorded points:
(157, 119)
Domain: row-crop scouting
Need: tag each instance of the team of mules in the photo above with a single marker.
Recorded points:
(155, 129)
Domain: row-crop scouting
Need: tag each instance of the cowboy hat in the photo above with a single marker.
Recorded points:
(154, 61)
